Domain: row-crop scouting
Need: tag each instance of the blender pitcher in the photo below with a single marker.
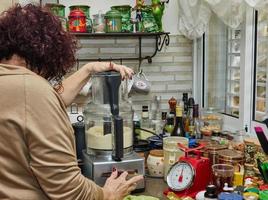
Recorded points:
(106, 129)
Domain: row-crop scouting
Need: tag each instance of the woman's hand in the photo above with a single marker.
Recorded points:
(95, 67)
(117, 188)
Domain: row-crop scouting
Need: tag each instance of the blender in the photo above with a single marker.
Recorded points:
(109, 134)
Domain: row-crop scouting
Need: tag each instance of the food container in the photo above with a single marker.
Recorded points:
(211, 152)
(222, 173)
(155, 163)
(86, 10)
(249, 171)
(98, 23)
(238, 141)
(125, 11)
(113, 21)
(211, 121)
(77, 21)
(232, 157)
(58, 10)
(259, 155)
(250, 150)
(172, 152)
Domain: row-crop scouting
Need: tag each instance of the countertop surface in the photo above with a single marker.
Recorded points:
(154, 187)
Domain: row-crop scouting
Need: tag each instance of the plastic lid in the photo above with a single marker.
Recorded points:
(54, 5)
(157, 153)
(230, 154)
(211, 191)
(113, 13)
(76, 6)
(145, 108)
(229, 196)
(77, 13)
(121, 7)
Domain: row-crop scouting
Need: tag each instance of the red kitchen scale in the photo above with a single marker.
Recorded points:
(190, 175)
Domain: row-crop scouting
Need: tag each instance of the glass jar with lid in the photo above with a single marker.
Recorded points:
(211, 151)
(125, 11)
(113, 21)
(232, 157)
(86, 10)
(211, 121)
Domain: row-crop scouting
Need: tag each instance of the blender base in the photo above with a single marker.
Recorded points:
(99, 168)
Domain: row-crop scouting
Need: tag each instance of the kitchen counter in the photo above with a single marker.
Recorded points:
(154, 187)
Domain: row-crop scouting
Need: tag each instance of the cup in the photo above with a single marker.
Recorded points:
(222, 173)
(141, 84)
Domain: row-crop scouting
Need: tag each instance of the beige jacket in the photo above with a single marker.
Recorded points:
(37, 148)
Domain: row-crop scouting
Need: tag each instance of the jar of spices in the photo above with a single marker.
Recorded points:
(250, 150)
(125, 11)
(259, 155)
(249, 171)
(155, 163)
(113, 21)
(232, 157)
(77, 21)
(211, 152)
(86, 10)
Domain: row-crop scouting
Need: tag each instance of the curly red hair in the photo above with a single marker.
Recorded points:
(36, 35)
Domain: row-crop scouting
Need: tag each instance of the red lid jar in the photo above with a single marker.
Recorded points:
(77, 21)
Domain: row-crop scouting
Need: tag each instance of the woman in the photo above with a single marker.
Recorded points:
(37, 151)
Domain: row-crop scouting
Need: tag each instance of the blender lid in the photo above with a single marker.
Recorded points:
(107, 73)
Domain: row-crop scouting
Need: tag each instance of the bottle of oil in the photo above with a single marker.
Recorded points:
(178, 127)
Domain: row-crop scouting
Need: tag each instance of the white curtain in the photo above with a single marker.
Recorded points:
(194, 16)
(231, 12)
(258, 4)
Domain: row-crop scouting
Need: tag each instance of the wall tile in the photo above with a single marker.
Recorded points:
(170, 72)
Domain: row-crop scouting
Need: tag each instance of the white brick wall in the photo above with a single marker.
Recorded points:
(170, 72)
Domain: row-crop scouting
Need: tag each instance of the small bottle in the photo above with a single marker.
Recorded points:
(145, 117)
(136, 128)
(185, 102)
(172, 104)
(197, 131)
(178, 128)
(211, 193)
(189, 122)
(169, 125)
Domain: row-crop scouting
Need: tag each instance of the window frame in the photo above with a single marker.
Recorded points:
(233, 123)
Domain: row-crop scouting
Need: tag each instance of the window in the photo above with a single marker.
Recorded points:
(261, 65)
(222, 67)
